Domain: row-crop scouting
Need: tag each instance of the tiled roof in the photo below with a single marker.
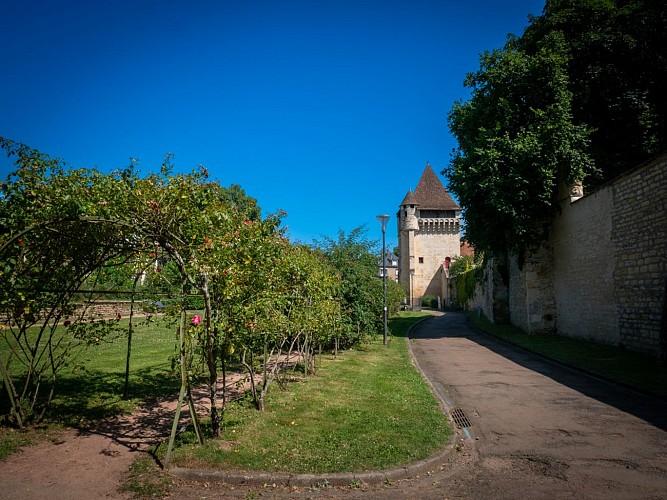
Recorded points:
(409, 198)
(389, 257)
(431, 194)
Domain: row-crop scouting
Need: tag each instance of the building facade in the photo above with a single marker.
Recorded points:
(428, 239)
(390, 266)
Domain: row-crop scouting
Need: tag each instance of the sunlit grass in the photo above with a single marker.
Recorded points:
(91, 385)
(369, 409)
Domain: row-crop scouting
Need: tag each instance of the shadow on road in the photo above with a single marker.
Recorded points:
(454, 324)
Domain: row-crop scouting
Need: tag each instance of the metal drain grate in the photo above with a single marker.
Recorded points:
(460, 418)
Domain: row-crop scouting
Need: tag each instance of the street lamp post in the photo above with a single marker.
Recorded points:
(383, 221)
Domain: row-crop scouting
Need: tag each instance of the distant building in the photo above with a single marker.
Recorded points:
(466, 248)
(428, 239)
(391, 266)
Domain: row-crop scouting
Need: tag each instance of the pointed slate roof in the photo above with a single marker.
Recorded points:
(409, 198)
(430, 194)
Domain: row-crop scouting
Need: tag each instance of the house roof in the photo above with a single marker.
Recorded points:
(409, 198)
(389, 257)
(430, 193)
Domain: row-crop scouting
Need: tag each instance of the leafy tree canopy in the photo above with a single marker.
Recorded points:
(618, 75)
(576, 98)
(354, 257)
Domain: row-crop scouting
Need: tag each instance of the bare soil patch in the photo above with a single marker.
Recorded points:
(94, 462)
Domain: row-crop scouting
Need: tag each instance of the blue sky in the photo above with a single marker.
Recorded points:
(328, 110)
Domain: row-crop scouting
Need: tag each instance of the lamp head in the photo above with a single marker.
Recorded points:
(383, 220)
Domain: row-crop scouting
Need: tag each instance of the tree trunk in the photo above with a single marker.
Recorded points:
(251, 374)
(181, 394)
(11, 392)
(211, 359)
(126, 388)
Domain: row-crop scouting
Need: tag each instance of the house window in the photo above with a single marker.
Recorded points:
(421, 260)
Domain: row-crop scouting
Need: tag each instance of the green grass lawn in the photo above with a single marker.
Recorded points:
(91, 386)
(369, 409)
(622, 365)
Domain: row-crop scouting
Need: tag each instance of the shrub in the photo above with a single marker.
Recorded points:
(429, 301)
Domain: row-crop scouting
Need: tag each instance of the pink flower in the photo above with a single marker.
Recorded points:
(196, 319)
(247, 223)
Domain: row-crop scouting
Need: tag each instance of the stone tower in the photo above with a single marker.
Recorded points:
(428, 238)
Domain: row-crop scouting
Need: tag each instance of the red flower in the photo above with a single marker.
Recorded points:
(196, 319)
(119, 317)
(247, 223)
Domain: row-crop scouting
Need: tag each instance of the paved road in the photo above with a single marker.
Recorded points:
(540, 430)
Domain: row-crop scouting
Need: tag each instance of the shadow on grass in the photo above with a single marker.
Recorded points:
(647, 407)
(94, 395)
(399, 325)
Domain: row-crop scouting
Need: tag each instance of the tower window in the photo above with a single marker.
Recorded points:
(421, 260)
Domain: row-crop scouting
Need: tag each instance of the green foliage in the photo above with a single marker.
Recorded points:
(462, 264)
(429, 301)
(465, 271)
(583, 86)
(53, 236)
(395, 297)
(617, 71)
(362, 302)
(465, 287)
(516, 143)
(369, 409)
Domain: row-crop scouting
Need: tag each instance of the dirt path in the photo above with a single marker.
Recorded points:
(91, 464)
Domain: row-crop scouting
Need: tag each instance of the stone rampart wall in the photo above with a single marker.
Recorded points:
(491, 295)
(639, 233)
(531, 292)
(603, 274)
(583, 268)
(608, 264)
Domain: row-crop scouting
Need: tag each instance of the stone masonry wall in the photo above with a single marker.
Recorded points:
(609, 263)
(107, 309)
(531, 292)
(491, 295)
(603, 274)
(639, 232)
(583, 268)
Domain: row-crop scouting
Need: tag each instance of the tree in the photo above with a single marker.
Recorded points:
(354, 258)
(617, 72)
(578, 97)
(516, 143)
(50, 243)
